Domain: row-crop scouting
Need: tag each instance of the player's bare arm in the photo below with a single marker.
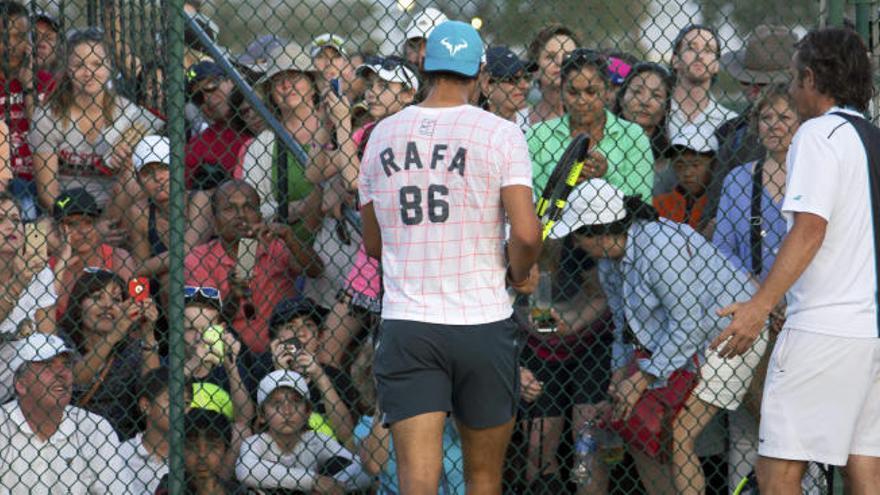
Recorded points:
(797, 252)
(525, 231)
(372, 237)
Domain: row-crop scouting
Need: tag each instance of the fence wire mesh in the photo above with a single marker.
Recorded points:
(687, 110)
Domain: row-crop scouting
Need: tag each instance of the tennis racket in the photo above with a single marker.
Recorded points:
(562, 180)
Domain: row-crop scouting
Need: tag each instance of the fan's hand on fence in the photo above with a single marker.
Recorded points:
(338, 108)
(531, 388)
(749, 319)
(627, 393)
(594, 167)
(325, 485)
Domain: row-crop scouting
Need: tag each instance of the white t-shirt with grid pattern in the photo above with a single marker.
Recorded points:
(434, 177)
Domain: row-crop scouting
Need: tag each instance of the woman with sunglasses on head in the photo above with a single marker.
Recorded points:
(645, 98)
(620, 151)
(114, 335)
(84, 135)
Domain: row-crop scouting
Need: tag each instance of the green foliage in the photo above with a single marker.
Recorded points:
(599, 23)
(746, 14)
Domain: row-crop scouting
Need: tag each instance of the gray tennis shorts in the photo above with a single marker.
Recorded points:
(467, 370)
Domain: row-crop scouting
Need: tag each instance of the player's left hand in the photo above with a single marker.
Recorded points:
(749, 319)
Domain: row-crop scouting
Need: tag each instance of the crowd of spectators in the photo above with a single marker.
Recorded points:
(278, 339)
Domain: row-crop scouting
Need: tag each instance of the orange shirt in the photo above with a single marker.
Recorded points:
(681, 207)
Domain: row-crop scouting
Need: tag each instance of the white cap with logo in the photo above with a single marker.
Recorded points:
(282, 378)
(151, 149)
(594, 202)
(424, 22)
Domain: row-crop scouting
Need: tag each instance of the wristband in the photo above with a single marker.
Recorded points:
(511, 282)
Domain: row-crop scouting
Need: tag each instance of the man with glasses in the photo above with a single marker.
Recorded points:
(505, 84)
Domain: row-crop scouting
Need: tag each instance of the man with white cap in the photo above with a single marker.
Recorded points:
(46, 444)
(436, 182)
(663, 281)
(289, 456)
(417, 33)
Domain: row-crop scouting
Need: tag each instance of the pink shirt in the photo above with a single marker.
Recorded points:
(208, 265)
(434, 177)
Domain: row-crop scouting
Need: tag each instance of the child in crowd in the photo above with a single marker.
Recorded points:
(692, 160)
(287, 455)
(208, 435)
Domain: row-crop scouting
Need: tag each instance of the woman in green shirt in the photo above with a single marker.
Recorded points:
(619, 146)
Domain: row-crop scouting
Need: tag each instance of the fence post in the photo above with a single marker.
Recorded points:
(863, 18)
(174, 103)
(835, 12)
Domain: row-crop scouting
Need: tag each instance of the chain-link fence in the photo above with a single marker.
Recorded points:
(192, 293)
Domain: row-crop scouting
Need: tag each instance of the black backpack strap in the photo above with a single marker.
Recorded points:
(870, 136)
(756, 219)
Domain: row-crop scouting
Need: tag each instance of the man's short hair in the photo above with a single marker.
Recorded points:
(544, 35)
(841, 67)
(220, 190)
(200, 422)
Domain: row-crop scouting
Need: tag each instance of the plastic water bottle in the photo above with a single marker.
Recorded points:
(586, 448)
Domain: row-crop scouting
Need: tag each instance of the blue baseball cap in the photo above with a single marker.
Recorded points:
(454, 46)
(501, 62)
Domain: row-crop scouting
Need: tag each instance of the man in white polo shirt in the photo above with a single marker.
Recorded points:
(822, 393)
(47, 445)
(437, 181)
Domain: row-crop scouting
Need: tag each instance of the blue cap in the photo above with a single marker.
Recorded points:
(454, 46)
(201, 71)
(502, 62)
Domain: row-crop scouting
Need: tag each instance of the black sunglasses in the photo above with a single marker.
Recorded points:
(581, 57)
